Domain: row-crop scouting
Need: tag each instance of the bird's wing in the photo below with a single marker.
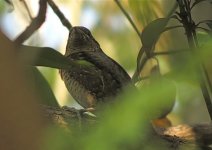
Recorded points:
(102, 61)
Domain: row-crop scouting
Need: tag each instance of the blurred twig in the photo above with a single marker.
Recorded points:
(128, 18)
(60, 15)
(27, 8)
(169, 52)
(34, 25)
(141, 51)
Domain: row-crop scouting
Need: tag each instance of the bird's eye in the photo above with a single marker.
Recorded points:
(87, 31)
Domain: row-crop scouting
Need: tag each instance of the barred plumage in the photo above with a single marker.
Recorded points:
(100, 80)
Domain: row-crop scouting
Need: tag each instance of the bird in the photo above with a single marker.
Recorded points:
(98, 79)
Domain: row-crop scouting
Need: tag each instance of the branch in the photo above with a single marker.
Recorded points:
(200, 134)
(27, 9)
(66, 116)
(34, 25)
(60, 15)
(181, 135)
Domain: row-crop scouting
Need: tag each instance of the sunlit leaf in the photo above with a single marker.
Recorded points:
(145, 11)
(9, 2)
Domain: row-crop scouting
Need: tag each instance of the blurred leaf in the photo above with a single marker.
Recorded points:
(207, 22)
(206, 53)
(57, 139)
(10, 4)
(199, 1)
(152, 32)
(203, 38)
(131, 127)
(145, 10)
(165, 83)
(43, 88)
(48, 57)
(2, 7)
(45, 56)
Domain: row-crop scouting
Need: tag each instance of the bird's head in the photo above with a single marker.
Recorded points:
(81, 39)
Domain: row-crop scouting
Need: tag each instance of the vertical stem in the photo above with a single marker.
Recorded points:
(185, 15)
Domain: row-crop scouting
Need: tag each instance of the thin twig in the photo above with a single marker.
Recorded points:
(204, 29)
(128, 17)
(27, 8)
(172, 27)
(169, 52)
(176, 17)
(141, 52)
(60, 15)
(203, 21)
(196, 2)
(34, 25)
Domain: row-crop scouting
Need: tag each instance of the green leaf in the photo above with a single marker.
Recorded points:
(165, 83)
(84, 63)
(48, 57)
(10, 3)
(203, 38)
(45, 56)
(149, 37)
(45, 94)
(152, 32)
(209, 24)
(199, 1)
